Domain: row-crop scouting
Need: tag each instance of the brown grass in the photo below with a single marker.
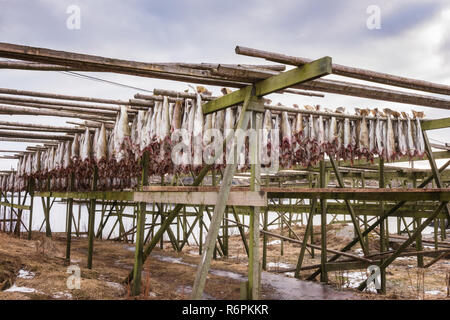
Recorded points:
(162, 280)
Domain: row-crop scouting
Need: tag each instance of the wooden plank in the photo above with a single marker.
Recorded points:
(238, 198)
(310, 71)
(362, 210)
(352, 72)
(101, 195)
(435, 124)
(413, 194)
(15, 206)
(348, 265)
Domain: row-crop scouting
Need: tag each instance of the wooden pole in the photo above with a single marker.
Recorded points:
(381, 184)
(31, 186)
(69, 218)
(323, 227)
(213, 231)
(91, 225)
(254, 271)
(138, 254)
(357, 73)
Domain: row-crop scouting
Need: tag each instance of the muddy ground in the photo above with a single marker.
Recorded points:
(30, 271)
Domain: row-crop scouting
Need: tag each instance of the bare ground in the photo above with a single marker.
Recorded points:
(168, 280)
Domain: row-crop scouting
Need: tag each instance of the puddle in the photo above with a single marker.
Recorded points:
(284, 287)
(287, 288)
(24, 274)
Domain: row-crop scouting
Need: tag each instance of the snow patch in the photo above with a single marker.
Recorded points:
(15, 288)
(58, 295)
(433, 292)
(24, 274)
(279, 265)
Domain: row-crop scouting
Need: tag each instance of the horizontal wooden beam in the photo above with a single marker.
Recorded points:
(385, 194)
(236, 198)
(310, 71)
(435, 124)
(102, 195)
(412, 211)
(351, 72)
(16, 206)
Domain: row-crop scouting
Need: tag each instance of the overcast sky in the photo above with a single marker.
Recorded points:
(413, 41)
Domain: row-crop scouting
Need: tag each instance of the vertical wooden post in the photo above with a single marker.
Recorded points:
(91, 224)
(418, 222)
(200, 241)
(11, 209)
(18, 216)
(203, 268)
(265, 228)
(308, 230)
(69, 218)
(30, 219)
(312, 212)
(48, 230)
(138, 253)
(323, 227)
(254, 272)
(381, 184)
(4, 211)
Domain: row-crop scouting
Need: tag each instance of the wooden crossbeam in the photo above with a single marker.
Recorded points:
(388, 194)
(237, 198)
(435, 124)
(310, 71)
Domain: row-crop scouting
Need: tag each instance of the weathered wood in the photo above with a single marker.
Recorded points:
(177, 94)
(91, 224)
(349, 206)
(435, 124)
(357, 73)
(311, 71)
(69, 219)
(404, 245)
(49, 112)
(114, 102)
(388, 194)
(27, 135)
(140, 225)
(382, 218)
(240, 198)
(219, 209)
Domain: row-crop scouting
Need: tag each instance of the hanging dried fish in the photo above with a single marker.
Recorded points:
(177, 116)
(86, 147)
(402, 145)
(409, 136)
(198, 134)
(101, 146)
(122, 136)
(390, 142)
(364, 147)
(68, 155)
(419, 141)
